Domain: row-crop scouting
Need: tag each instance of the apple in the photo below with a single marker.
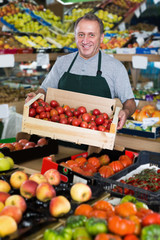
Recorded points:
(17, 178)
(4, 196)
(80, 192)
(1, 206)
(38, 178)
(28, 189)
(4, 164)
(12, 211)
(45, 192)
(8, 145)
(7, 226)
(10, 161)
(53, 176)
(4, 186)
(59, 206)
(1, 154)
(30, 144)
(23, 141)
(18, 201)
(42, 142)
(17, 146)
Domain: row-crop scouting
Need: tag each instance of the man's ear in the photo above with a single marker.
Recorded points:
(102, 37)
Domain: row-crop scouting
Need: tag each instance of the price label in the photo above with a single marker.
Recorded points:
(7, 60)
(122, 26)
(143, 7)
(139, 62)
(137, 12)
(4, 111)
(42, 59)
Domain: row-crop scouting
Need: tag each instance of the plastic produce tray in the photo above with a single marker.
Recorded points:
(145, 159)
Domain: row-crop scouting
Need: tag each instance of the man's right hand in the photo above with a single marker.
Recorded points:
(30, 96)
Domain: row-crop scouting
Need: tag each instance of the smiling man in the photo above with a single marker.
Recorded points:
(90, 70)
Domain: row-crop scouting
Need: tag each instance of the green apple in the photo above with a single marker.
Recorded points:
(1, 155)
(4, 164)
(10, 161)
(141, 205)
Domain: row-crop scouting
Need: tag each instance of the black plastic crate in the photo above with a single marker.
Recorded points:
(152, 159)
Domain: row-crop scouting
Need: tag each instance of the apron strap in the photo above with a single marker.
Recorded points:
(99, 72)
(72, 63)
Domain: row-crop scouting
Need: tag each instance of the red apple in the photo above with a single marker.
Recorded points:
(17, 178)
(12, 211)
(4, 186)
(53, 176)
(8, 145)
(80, 192)
(23, 141)
(42, 142)
(38, 178)
(4, 196)
(59, 206)
(30, 144)
(16, 200)
(17, 146)
(28, 189)
(45, 192)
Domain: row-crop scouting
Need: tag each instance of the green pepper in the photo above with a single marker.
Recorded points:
(151, 232)
(50, 234)
(96, 225)
(80, 233)
(76, 221)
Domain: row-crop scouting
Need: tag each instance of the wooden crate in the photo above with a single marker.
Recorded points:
(71, 133)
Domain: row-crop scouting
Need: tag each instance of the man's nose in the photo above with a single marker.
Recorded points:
(85, 39)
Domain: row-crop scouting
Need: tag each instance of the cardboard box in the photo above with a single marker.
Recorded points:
(71, 133)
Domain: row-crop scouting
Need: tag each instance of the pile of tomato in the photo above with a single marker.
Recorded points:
(65, 114)
(102, 164)
(147, 179)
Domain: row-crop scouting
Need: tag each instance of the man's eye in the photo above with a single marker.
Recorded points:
(91, 35)
(81, 35)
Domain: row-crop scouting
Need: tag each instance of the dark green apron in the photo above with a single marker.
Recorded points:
(93, 85)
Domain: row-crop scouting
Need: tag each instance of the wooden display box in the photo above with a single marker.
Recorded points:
(71, 133)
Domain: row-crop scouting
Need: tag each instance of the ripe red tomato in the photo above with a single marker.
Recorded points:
(63, 120)
(101, 128)
(32, 112)
(76, 122)
(94, 127)
(105, 115)
(82, 109)
(55, 118)
(70, 119)
(39, 109)
(47, 107)
(99, 120)
(34, 104)
(116, 165)
(76, 112)
(66, 108)
(152, 218)
(106, 171)
(53, 112)
(84, 124)
(42, 115)
(69, 113)
(60, 110)
(93, 117)
(96, 112)
(89, 167)
(86, 117)
(54, 103)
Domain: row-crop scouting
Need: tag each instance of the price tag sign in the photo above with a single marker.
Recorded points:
(4, 111)
(122, 26)
(137, 12)
(143, 7)
(5, 28)
(7, 60)
(42, 59)
(139, 62)
(140, 41)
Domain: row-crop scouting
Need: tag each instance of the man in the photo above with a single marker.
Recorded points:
(90, 70)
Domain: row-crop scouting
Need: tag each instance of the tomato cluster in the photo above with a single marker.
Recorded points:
(102, 164)
(124, 221)
(67, 115)
(147, 179)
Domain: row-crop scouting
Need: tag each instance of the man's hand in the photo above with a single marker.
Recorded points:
(30, 96)
(122, 117)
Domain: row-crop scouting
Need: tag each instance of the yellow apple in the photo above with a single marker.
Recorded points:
(1, 155)
(1, 206)
(45, 192)
(17, 178)
(38, 178)
(7, 226)
(4, 164)
(53, 176)
(12, 211)
(16, 200)
(59, 206)
(4, 186)
(10, 161)
(80, 192)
